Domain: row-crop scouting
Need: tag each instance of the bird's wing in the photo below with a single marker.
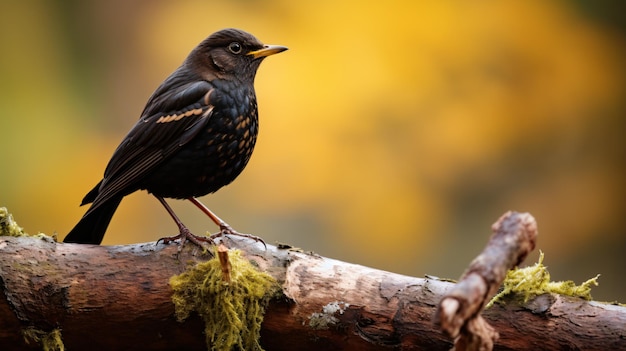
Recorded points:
(155, 137)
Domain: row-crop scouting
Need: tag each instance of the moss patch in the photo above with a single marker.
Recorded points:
(8, 227)
(232, 311)
(535, 280)
(51, 341)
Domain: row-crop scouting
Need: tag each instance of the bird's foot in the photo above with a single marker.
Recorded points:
(225, 229)
(187, 235)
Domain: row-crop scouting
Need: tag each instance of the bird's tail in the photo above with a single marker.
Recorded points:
(91, 228)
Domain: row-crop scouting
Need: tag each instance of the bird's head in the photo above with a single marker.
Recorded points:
(230, 54)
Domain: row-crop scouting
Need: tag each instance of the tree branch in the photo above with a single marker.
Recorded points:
(514, 237)
(118, 297)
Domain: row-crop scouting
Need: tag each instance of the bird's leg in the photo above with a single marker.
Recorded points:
(185, 233)
(224, 227)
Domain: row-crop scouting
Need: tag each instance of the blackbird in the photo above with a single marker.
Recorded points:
(195, 135)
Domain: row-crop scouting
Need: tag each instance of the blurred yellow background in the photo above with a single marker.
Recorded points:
(392, 135)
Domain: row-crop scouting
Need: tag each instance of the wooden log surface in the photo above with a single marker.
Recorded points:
(118, 297)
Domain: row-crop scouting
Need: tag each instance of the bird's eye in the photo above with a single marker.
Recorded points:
(234, 47)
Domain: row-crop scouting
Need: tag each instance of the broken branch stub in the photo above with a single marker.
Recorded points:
(514, 237)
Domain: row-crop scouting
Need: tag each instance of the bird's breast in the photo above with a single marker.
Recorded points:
(214, 157)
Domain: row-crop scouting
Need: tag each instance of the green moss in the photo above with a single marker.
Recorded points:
(51, 341)
(232, 311)
(535, 280)
(8, 227)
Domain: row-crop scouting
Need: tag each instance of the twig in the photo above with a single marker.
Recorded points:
(458, 314)
(222, 253)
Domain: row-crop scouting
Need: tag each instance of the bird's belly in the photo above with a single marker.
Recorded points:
(213, 159)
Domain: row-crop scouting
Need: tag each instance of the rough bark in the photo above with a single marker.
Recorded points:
(118, 297)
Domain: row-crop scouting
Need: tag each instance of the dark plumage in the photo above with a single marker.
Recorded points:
(195, 135)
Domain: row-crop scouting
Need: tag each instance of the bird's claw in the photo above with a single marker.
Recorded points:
(225, 229)
(186, 235)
